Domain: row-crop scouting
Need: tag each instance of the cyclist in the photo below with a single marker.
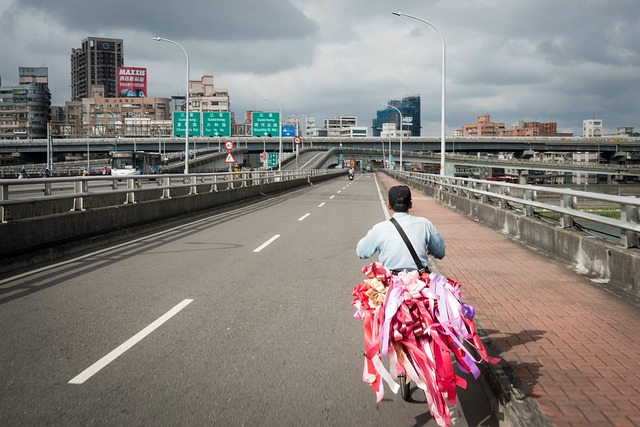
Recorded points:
(385, 238)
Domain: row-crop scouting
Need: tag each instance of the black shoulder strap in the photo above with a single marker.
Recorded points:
(416, 259)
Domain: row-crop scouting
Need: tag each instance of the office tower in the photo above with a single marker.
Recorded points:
(409, 106)
(95, 64)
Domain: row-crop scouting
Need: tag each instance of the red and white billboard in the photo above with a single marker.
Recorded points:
(132, 82)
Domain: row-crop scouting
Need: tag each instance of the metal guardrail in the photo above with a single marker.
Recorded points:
(80, 190)
(96, 166)
(527, 199)
(513, 163)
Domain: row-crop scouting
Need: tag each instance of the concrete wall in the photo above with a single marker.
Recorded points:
(607, 264)
(36, 239)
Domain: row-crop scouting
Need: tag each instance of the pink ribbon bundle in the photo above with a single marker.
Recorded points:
(417, 321)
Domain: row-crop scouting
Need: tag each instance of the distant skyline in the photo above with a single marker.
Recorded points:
(540, 60)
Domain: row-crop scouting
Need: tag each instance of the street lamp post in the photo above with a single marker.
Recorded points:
(49, 149)
(88, 157)
(442, 114)
(264, 152)
(296, 126)
(186, 139)
(279, 132)
(400, 113)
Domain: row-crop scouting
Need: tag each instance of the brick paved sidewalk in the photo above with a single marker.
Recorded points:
(574, 346)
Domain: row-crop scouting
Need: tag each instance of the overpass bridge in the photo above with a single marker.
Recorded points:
(618, 157)
(461, 164)
(526, 170)
(610, 148)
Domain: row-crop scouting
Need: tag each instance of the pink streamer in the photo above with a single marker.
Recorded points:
(418, 321)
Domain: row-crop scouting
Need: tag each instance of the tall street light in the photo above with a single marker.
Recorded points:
(279, 131)
(442, 114)
(399, 112)
(186, 139)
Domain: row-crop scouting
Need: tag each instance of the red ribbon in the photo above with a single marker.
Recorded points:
(422, 344)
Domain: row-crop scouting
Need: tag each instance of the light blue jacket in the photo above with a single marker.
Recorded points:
(393, 253)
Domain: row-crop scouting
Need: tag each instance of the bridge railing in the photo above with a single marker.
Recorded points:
(27, 198)
(618, 221)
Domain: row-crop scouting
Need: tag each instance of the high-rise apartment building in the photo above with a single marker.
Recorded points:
(24, 109)
(96, 63)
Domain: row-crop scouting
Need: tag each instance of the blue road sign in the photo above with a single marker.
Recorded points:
(288, 131)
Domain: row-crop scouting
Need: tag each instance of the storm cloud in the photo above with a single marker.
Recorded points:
(540, 60)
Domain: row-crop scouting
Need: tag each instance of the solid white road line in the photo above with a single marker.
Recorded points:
(265, 244)
(93, 369)
(303, 217)
(385, 208)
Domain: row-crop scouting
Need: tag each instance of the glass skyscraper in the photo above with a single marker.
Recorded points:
(409, 106)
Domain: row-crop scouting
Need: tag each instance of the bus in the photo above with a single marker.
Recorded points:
(135, 163)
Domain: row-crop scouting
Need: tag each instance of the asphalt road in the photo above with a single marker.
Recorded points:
(239, 318)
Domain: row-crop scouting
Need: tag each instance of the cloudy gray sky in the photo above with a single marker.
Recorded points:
(532, 60)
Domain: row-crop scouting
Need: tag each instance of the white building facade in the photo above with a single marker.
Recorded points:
(591, 128)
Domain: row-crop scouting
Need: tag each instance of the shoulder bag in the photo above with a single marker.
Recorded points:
(416, 259)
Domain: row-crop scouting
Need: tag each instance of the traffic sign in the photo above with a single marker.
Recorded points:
(272, 160)
(179, 123)
(264, 155)
(297, 140)
(229, 158)
(288, 130)
(228, 144)
(265, 123)
(216, 123)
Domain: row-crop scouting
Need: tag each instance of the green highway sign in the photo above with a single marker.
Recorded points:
(265, 123)
(216, 123)
(272, 160)
(179, 123)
